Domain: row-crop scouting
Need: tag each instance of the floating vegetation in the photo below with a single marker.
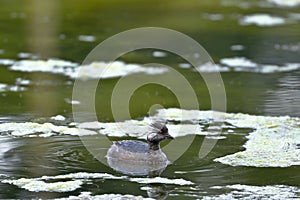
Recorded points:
(288, 47)
(237, 47)
(205, 68)
(6, 61)
(185, 65)
(213, 17)
(82, 175)
(140, 129)
(26, 55)
(210, 67)
(256, 192)
(87, 38)
(159, 54)
(264, 3)
(72, 102)
(94, 70)
(216, 137)
(177, 114)
(262, 20)
(161, 180)
(274, 141)
(287, 3)
(11, 88)
(244, 64)
(241, 64)
(237, 191)
(132, 128)
(34, 185)
(116, 69)
(52, 66)
(238, 62)
(77, 179)
(21, 81)
(31, 129)
(88, 195)
(58, 118)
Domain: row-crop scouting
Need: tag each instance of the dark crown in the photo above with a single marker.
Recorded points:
(159, 127)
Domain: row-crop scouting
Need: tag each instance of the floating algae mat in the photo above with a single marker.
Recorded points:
(238, 191)
(274, 141)
(32, 129)
(93, 70)
(78, 179)
(34, 185)
(99, 69)
(256, 192)
(11, 88)
(87, 195)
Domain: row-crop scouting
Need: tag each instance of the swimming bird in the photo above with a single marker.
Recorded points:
(137, 157)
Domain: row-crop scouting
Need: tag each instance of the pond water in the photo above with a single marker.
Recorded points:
(256, 47)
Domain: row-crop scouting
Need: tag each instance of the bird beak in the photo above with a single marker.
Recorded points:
(170, 137)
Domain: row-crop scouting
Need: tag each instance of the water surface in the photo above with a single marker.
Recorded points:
(33, 30)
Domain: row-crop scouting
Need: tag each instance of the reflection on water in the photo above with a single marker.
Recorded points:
(157, 192)
(285, 99)
(41, 28)
(136, 168)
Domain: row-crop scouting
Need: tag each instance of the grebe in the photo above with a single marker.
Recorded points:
(137, 157)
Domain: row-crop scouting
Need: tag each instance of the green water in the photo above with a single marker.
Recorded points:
(50, 29)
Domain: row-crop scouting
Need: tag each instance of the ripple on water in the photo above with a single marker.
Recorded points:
(286, 97)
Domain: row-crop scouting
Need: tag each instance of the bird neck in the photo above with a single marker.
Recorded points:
(153, 146)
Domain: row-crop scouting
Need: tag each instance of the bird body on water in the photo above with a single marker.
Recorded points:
(133, 155)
